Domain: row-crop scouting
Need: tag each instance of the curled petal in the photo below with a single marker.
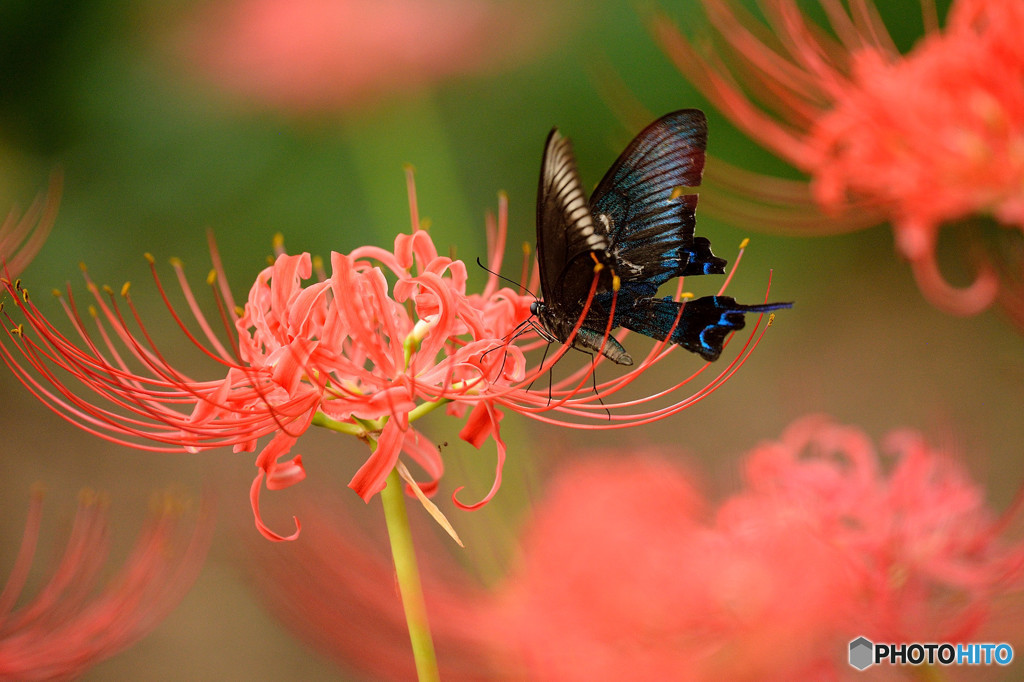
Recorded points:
(372, 476)
(285, 474)
(480, 424)
(968, 300)
(254, 500)
(483, 421)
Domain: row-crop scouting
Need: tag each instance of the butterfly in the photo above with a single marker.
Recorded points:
(636, 232)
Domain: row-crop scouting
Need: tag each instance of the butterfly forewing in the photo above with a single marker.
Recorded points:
(566, 231)
(651, 216)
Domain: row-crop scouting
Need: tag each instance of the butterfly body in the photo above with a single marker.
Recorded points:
(635, 233)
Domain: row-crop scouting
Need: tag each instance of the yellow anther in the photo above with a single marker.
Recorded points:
(239, 310)
(743, 244)
(19, 330)
(278, 241)
(176, 262)
(598, 265)
(211, 277)
(82, 266)
(771, 318)
(527, 249)
(107, 290)
(57, 293)
(24, 295)
(125, 287)
(318, 262)
(149, 258)
(408, 167)
(426, 224)
(93, 312)
(502, 195)
(615, 282)
(686, 295)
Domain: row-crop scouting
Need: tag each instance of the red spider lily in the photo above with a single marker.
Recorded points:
(924, 139)
(626, 572)
(927, 555)
(67, 627)
(387, 338)
(818, 548)
(21, 238)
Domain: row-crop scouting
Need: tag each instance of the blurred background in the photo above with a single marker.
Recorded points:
(171, 118)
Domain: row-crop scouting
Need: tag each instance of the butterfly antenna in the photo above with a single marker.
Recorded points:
(510, 281)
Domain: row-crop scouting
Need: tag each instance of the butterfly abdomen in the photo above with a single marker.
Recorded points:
(593, 341)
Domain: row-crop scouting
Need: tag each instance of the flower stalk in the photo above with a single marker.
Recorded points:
(407, 573)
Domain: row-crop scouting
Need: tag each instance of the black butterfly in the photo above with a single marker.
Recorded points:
(639, 225)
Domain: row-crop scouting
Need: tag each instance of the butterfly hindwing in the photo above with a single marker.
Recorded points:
(702, 326)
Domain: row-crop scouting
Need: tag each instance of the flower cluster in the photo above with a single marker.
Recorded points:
(922, 140)
(388, 337)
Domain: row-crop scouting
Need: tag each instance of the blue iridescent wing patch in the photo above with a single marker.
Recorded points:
(639, 223)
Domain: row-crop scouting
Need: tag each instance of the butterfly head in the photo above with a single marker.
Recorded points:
(544, 328)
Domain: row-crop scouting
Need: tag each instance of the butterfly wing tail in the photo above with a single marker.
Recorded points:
(703, 323)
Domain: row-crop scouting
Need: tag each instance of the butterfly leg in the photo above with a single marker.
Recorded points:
(593, 379)
(542, 359)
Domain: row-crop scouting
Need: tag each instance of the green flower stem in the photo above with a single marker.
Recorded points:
(409, 587)
(365, 427)
(426, 408)
(321, 419)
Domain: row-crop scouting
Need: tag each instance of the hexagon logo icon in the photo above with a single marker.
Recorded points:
(861, 653)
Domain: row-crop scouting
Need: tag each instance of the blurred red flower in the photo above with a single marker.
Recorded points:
(626, 572)
(68, 626)
(305, 56)
(819, 547)
(923, 140)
